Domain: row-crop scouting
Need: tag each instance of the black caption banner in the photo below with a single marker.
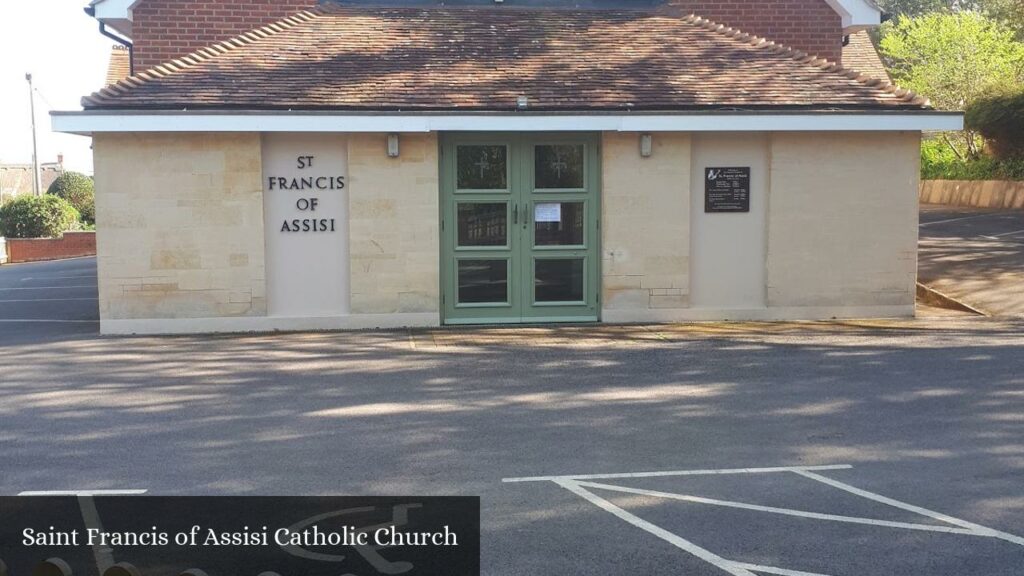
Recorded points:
(243, 536)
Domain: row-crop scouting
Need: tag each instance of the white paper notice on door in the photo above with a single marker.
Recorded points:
(550, 212)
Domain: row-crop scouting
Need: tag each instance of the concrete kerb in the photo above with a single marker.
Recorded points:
(933, 297)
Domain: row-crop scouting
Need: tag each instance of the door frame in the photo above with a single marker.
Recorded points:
(521, 170)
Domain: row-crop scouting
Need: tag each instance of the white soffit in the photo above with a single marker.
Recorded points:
(87, 122)
(115, 13)
(857, 14)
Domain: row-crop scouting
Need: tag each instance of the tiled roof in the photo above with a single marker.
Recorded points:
(119, 66)
(17, 179)
(349, 58)
(860, 54)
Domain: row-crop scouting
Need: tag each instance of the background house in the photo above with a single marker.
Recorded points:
(16, 179)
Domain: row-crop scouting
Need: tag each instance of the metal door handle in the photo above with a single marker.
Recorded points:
(515, 214)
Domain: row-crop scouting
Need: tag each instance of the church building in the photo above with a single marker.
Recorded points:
(341, 164)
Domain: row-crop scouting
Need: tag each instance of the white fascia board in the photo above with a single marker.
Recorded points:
(86, 123)
(115, 13)
(114, 9)
(857, 14)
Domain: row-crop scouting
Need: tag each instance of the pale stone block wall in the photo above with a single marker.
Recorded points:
(179, 221)
(842, 219)
(645, 224)
(394, 224)
(1003, 194)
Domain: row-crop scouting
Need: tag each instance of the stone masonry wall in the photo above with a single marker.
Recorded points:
(645, 224)
(842, 219)
(179, 221)
(394, 224)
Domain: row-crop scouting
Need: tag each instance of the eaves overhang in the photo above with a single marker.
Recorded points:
(107, 121)
(857, 14)
(116, 14)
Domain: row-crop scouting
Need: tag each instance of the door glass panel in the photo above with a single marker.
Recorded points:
(483, 281)
(482, 167)
(558, 280)
(558, 223)
(483, 224)
(558, 166)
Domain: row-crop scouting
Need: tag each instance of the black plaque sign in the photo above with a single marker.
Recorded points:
(727, 190)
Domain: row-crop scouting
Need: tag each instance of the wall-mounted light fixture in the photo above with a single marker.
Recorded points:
(392, 145)
(522, 102)
(646, 145)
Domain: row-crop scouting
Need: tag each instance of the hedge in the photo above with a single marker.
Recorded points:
(939, 162)
(45, 216)
(999, 117)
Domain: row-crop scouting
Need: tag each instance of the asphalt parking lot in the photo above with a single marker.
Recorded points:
(48, 300)
(975, 255)
(803, 449)
(929, 416)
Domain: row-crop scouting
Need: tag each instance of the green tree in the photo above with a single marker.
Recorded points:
(912, 8)
(79, 190)
(45, 216)
(1010, 12)
(953, 58)
(999, 117)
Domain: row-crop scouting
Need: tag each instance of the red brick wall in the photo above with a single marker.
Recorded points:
(808, 25)
(71, 245)
(166, 29)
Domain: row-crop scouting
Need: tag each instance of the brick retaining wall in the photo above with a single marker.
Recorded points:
(71, 245)
(977, 193)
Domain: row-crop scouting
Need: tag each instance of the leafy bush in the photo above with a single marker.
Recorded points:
(940, 162)
(79, 191)
(999, 117)
(954, 58)
(45, 216)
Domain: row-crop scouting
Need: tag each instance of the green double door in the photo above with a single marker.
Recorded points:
(519, 224)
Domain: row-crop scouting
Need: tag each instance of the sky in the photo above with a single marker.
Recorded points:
(62, 47)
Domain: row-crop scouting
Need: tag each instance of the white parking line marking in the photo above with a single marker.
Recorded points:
(103, 554)
(1014, 233)
(578, 485)
(977, 528)
(50, 300)
(783, 511)
(46, 321)
(956, 219)
(48, 287)
(131, 492)
(80, 276)
(678, 473)
(706, 555)
(774, 570)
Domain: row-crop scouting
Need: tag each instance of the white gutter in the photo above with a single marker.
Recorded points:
(89, 122)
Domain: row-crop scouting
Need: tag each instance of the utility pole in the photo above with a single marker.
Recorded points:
(36, 184)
